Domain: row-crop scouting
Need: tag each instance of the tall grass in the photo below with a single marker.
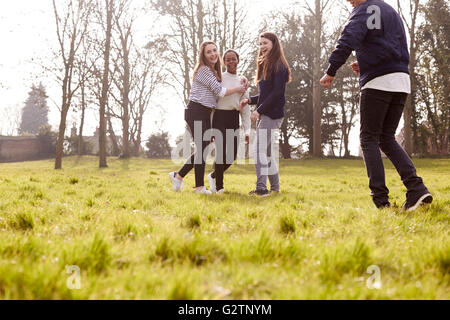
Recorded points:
(133, 238)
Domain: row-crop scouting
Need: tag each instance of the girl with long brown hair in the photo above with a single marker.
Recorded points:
(272, 75)
(205, 91)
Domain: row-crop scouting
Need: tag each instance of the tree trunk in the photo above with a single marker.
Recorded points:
(317, 108)
(61, 134)
(138, 141)
(284, 142)
(105, 85)
(83, 108)
(112, 136)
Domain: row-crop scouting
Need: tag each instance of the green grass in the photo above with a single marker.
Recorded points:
(133, 238)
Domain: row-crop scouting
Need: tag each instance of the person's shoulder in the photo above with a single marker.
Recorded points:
(204, 70)
(280, 67)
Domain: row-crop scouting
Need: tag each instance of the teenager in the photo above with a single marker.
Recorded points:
(376, 32)
(226, 121)
(205, 91)
(272, 75)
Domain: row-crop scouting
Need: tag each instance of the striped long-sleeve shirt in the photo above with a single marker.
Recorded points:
(206, 90)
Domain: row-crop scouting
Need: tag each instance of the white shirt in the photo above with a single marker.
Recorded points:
(392, 82)
(232, 102)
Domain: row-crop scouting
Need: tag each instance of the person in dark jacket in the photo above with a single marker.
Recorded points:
(272, 75)
(376, 32)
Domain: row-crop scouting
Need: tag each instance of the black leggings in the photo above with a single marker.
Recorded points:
(226, 150)
(197, 115)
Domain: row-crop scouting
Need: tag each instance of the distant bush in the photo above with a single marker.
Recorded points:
(47, 139)
(158, 146)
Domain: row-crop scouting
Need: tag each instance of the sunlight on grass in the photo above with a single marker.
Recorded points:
(133, 238)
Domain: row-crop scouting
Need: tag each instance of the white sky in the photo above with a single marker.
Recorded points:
(27, 32)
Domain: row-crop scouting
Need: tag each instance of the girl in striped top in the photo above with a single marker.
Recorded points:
(206, 89)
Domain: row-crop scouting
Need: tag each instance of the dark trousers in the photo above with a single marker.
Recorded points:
(226, 150)
(197, 117)
(380, 115)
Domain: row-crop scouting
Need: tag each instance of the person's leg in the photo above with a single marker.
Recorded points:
(201, 145)
(374, 105)
(233, 134)
(198, 120)
(261, 159)
(399, 158)
(232, 123)
(219, 165)
(190, 116)
(274, 176)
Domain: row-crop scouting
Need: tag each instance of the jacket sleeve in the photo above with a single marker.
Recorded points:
(278, 90)
(254, 99)
(351, 39)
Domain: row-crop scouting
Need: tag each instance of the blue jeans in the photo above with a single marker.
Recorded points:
(380, 115)
(265, 159)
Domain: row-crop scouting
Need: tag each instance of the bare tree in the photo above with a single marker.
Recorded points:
(121, 62)
(106, 19)
(320, 6)
(410, 108)
(147, 76)
(11, 116)
(71, 19)
(85, 66)
(194, 21)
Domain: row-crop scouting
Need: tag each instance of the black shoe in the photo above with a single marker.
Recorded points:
(384, 205)
(414, 202)
(261, 193)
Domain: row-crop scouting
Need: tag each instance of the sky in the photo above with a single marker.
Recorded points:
(27, 34)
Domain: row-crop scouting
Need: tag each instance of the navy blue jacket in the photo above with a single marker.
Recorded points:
(379, 51)
(271, 98)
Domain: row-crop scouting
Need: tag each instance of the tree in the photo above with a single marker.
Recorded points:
(11, 116)
(47, 139)
(85, 66)
(433, 76)
(121, 73)
(35, 111)
(147, 76)
(410, 107)
(158, 146)
(109, 9)
(191, 23)
(71, 17)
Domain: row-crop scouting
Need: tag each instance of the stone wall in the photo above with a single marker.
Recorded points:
(19, 149)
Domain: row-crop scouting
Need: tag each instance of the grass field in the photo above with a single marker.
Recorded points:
(133, 238)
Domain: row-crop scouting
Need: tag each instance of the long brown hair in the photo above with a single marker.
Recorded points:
(202, 61)
(265, 64)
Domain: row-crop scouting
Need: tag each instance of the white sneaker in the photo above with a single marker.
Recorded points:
(203, 191)
(221, 191)
(212, 183)
(177, 185)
